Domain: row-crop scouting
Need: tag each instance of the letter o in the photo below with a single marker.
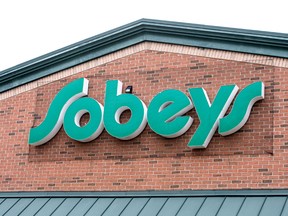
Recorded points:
(72, 117)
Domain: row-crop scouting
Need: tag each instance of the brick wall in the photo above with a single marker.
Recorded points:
(254, 157)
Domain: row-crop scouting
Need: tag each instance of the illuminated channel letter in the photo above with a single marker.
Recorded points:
(165, 113)
(76, 110)
(241, 109)
(115, 104)
(55, 114)
(209, 114)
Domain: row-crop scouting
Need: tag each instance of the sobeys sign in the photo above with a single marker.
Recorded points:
(165, 114)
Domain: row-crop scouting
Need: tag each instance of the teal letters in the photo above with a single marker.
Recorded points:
(241, 108)
(115, 104)
(55, 115)
(73, 115)
(209, 114)
(165, 114)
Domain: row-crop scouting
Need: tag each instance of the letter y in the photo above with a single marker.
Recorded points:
(209, 114)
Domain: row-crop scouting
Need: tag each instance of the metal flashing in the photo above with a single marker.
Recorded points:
(220, 38)
(150, 193)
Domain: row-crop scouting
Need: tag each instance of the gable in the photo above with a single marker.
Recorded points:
(145, 30)
(254, 156)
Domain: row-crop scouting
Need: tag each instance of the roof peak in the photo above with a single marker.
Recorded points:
(213, 37)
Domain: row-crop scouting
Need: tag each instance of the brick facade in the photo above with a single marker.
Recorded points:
(252, 158)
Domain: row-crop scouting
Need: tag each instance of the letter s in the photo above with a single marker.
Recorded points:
(56, 111)
(241, 109)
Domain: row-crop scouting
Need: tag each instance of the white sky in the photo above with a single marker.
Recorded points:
(31, 28)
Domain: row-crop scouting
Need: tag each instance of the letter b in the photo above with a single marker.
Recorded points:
(115, 104)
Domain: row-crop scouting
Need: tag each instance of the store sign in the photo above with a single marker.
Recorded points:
(166, 114)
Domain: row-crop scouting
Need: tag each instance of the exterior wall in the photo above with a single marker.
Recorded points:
(254, 157)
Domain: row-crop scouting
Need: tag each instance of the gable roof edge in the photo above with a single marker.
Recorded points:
(202, 36)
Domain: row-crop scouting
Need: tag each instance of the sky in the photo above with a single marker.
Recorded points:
(31, 28)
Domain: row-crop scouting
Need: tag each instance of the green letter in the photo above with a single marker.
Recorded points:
(209, 114)
(73, 115)
(165, 113)
(55, 114)
(115, 104)
(241, 109)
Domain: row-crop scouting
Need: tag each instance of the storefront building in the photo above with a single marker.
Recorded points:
(151, 118)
